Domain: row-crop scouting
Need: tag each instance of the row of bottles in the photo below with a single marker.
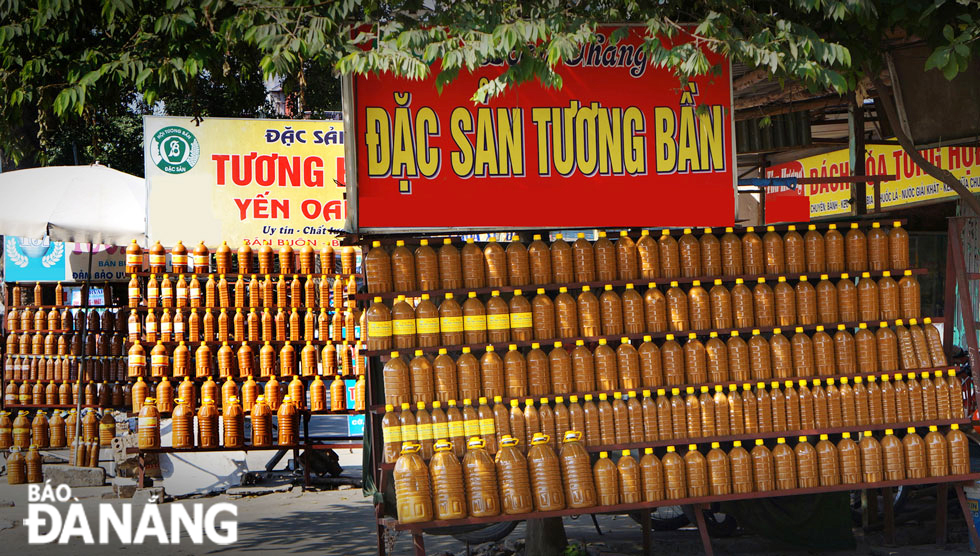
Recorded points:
(65, 392)
(239, 325)
(35, 319)
(315, 395)
(520, 372)
(42, 432)
(512, 483)
(60, 368)
(245, 292)
(245, 361)
(54, 343)
(827, 464)
(690, 415)
(24, 468)
(495, 320)
(492, 265)
(263, 259)
(204, 427)
(38, 297)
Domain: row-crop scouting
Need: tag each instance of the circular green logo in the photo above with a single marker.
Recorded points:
(174, 150)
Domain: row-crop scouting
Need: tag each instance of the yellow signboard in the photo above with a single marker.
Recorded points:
(911, 185)
(270, 182)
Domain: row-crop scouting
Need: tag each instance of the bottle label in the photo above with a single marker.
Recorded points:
(498, 322)
(195, 293)
(425, 431)
(153, 293)
(20, 430)
(486, 426)
(404, 327)
(166, 327)
(471, 427)
(134, 328)
(392, 434)
(379, 329)
(158, 260)
(440, 430)
(134, 293)
(178, 328)
(410, 433)
(4, 431)
(201, 260)
(134, 260)
(137, 360)
(428, 325)
(475, 322)
(148, 422)
(159, 360)
(181, 292)
(178, 260)
(520, 320)
(151, 327)
(451, 324)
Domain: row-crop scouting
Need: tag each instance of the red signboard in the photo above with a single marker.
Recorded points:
(620, 144)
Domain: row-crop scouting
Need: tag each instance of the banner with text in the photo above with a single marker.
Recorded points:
(911, 184)
(620, 144)
(42, 260)
(264, 181)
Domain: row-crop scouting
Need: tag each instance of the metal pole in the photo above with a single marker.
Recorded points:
(81, 362)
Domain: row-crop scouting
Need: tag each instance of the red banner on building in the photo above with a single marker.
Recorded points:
(621, 144)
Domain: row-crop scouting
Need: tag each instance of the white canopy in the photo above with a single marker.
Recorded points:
(84, 204)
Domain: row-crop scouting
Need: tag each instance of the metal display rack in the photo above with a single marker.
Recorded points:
(381, 472)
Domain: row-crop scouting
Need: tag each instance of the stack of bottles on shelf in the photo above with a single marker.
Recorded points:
(635, 418)
(547, 477)
(647, 343)
(44, 349)
(285, 318)
(24, 436)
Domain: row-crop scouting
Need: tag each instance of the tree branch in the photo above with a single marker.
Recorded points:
(944, 176)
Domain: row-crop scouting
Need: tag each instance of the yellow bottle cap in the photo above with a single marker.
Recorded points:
(799, 329)
(739, 281)
(671, 448)
(692, 447)
(732, 387)
(467, 350)
(661, 391)
(758, 442)
(692, 336)
(580, 342)
(819, 328)
(761, 280)
(845, 275)
(867, 433)
(586, 289)
(715, 445)
(675, 391)
(802, 439)
(405, 406)
(737, 444)
(603, 397)
(516, 292)
(704, 389)
(647, 338)
(955, 427)
(648, 451)
(734, 333)
(669, 337)
(616, 395)
(910, 430)
(673, 284)
(696, 283)
(777, 330)
(780, 440)
(846, 435)
(573, 399)
(602, 341)
(718, 387)
(746, 387)
(781, 279)
(690, 389)
(717, 281)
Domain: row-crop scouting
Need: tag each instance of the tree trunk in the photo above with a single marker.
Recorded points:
(545, 537)
(944, 176)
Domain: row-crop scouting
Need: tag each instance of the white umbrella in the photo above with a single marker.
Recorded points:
(84, 204)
